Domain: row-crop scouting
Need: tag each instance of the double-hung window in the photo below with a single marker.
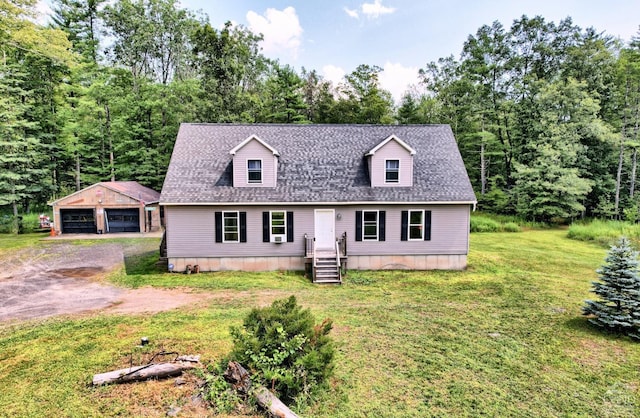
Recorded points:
(392, 171)
(230, 225)
(254, 171)
(370, 225)
(278, 225)
(416, 225)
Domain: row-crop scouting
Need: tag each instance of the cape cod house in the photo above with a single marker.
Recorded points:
(285, 197)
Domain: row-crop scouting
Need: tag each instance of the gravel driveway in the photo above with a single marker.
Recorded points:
(62, 278)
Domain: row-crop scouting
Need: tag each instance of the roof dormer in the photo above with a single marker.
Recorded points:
(255, 163)
(391, 163)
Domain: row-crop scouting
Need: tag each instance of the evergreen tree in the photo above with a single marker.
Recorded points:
(619, 289)
(79, 19)
(285, 350)
(284, 102)
(20, 173)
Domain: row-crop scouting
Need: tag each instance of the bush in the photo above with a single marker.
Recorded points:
(25, 224)
(481, 224)
(221, 397)
(284, 350)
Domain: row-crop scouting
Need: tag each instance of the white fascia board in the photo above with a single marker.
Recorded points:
(394, 138)
(378, 203)
(251, 138)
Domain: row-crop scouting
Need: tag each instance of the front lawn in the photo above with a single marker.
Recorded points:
(503, 338)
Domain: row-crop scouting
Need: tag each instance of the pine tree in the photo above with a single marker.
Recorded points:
(20, 152)
(619, 290)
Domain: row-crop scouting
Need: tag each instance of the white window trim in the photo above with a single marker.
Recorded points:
(261, 171)
(409, 225)
(272, 236)
(385, 171)
(377, 226)
(224, 227)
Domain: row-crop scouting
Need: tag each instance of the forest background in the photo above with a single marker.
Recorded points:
(546, 114)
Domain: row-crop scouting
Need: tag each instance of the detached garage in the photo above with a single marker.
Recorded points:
(108, 207)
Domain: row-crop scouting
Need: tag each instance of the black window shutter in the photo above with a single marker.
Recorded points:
(381, 225)
(218, 219)
(243, 226)
(427, 225)
(404, 225)
(289, 226)
(358, 225)
(265, 227)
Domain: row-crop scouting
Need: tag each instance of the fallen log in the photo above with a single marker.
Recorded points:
(139, 373)
(240, 380)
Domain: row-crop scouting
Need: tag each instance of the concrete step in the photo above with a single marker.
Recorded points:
(328, 281)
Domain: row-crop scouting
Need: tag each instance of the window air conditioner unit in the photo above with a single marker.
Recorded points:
(277, 240)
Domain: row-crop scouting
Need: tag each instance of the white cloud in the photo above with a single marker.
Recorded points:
(376, 9)
(281, 30)
(333, 74)
(397, 79)
(353, 13)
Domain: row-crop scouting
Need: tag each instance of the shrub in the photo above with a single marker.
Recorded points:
(481, 224)
(222, 398)
(619, 289)
(26, 223)
(283, 350)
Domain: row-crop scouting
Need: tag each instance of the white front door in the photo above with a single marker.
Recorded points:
(325, 229)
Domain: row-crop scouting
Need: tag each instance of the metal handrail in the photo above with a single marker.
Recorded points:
(338, 260)
(315, 262)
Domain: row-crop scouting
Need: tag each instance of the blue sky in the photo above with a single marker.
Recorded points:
(401, 36)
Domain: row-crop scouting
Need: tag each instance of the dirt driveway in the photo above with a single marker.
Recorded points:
(62, 278)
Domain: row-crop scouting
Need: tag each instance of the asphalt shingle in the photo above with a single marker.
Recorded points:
(317, 163)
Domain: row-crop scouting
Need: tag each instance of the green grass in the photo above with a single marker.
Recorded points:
(9, 242)
(503, 338)
(604, 232)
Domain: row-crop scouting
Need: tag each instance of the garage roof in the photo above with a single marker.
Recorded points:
(131, 189)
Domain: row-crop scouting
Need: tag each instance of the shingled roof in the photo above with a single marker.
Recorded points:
(317, 164)
(134, 190)
(131, 189)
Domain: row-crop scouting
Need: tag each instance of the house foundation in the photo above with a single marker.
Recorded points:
(353, 262)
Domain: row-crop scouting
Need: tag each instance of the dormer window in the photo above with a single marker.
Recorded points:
(392, 171)
(255, 163)
(390, 163)
(254, 171)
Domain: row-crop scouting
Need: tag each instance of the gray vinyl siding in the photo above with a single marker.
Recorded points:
(254, 150)
(391, 151)
(449, 231)
(191, 231)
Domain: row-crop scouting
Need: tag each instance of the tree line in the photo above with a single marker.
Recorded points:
(546, 114)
